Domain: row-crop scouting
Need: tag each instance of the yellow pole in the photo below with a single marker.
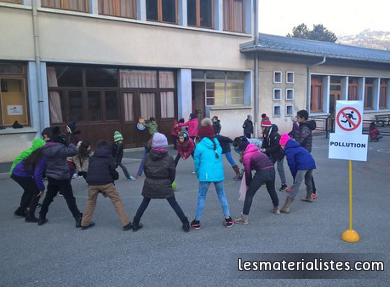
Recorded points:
(350, 235)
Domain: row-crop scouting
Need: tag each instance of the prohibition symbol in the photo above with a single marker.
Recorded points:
(348, 119)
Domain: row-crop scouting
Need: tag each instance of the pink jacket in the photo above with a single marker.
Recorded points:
(192, 127)
(254, 159)
(185, 149)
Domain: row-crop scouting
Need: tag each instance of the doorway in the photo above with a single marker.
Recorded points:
(334, 97)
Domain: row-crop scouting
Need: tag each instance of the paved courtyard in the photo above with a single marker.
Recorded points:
(161, 254)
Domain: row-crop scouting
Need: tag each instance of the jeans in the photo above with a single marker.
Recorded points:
(230, 158)
(280, 167)
(266, 176)
(29, 197)
(125, 171)
(172, 202)
(203, 188)
(308, 175)
(141, 166)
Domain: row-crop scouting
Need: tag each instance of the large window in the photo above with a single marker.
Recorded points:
(162, 10)
(353, 89)
(119, 8)
(74, 5)
(13, 95)
(234, 15)
(316, 95)
(12, 1)
(369, 94)
(200, 13)
(384, 90)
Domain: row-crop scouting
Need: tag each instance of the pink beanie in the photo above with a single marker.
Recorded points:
(284, 139)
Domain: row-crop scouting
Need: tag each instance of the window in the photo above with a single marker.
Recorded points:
(75, 106)
(94, 107)
(111, 106)
(234, 15)
(316, 95)
(289, 77)
(277, 77)
(276, 111)
(120, 8)
(12, 1)
(277, 94)
(74, 5)
(167, 104)
(128, 106)
(289, 94)
(369, 94)
(200, 13)
(66, 76)
(101, 77)
(162, 10)
(148, 105)
(13, 95)
(383, 94)
(166, 79)
(353, 85)
(289, 110)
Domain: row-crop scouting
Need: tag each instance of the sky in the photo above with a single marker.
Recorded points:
(343, 17)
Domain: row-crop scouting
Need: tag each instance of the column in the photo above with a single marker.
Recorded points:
(93, 7)
(184, 92)
(141, 10)
(326, 92)
(376, 93)
(218, 15)
(361, 84)
(344, 88)
(183, 13)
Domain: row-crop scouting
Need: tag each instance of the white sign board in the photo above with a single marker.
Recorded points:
(15, 110)
(353, 147)
(349, 117)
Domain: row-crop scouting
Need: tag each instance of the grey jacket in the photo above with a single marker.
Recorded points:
(56, 154)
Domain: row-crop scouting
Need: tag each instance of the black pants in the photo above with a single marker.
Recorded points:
(30, 195)
(178, 158)
(65, 188)
(172, 201)
(174, 138)
(314, 185)
(266, 176)
(247, 135)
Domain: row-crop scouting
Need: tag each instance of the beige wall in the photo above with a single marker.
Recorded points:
(231, 121)
(14, 144)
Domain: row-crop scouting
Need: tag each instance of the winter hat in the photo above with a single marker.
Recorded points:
(118, 136)
(159, 141)
(265, 122)
(248, 116)
(206, 128)
(193, 116)
(284, 139)
(47, 131)
(72, 127)
(243, 144)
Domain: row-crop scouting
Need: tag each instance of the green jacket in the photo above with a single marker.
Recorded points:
(152, 126)
(36, 144)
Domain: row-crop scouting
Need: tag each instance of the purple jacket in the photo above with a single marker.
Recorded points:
(37, 174)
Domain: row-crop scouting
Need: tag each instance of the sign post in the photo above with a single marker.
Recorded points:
(349, 143)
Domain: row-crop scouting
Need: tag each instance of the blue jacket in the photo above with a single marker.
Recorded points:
(298, 158)
(208, 168)
(37, 173)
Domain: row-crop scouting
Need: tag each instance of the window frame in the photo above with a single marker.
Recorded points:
(197, 15)
(366, 86)
(386, 86)
(354, 84)
(11, 1)
(321, 100)
(65, 6)
(292, 112)
(274, 77)
(293, 94)
(116, 10)
(293, 77)
(273, 94)
(231, 10)
(160, 15)
(274, 115)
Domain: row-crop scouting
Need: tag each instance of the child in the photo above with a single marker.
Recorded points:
(100, 178)
(174, 132)
(152, 126)
(374, 132)
(209, 169)
(192, 125)
(29, 175)
(248, 126)
(81, 160)
(56, 151)
(227, 151)
(301, 165)
(160, 174)
(46, 133)
(253, 159)
(74, 138)
(273, 150)
(216, 125)
(185, 147)
(117, 153)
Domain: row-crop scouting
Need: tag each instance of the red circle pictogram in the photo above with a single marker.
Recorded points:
(353, 125)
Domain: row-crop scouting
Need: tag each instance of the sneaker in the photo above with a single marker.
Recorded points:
(128, 227)
(60, 194)
(314, 196)
(228, 222)
(195, 224)
(289, 189)
(193, 172)
(20, 213)
(137, 176)
(283, 187)
(131, 178)
(92, 224)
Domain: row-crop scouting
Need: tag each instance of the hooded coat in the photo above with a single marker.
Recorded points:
(298, 158)
(55, 155)
(152, 126)
(303, 135)
(208, 168)
(101, 169)
(225, 143)
(253, 159)
(160, 173)
(217, 127)
(248, 127)
(36, 144)
(186, 148)
(37, 173)
(192, 125)
(271, 143)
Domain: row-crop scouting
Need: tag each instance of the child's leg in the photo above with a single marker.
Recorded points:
(256, 183)
(230, 158)
(65, 188)
(309, 181)
(280, 167)
(125, 171)
(52, 190)
(141, 166)
(203, 187)
(177, 159)
(93, 192)
(176, 207)
(222, 197)
(141, 209)
(270, 184)
(174, 141)
(112, 193)
(297, 183)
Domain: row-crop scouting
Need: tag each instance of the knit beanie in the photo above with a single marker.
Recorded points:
(265, 122)
(193, 116)
(243, 144)
(118, 136)
(206, 128)
(159, 141)
(72, 127)
(284, 139)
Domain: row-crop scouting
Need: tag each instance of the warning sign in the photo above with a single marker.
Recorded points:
(349, 117)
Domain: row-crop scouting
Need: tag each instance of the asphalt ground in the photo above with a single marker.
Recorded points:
(161, 254)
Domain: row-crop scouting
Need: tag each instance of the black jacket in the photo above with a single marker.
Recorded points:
(217, 127)
(117, 152)
(248, 127)
(225, 143)
(101, 168)
(271, 143)
(160, 173)
(303, 135)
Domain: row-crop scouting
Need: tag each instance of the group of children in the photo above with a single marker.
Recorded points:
(49, 157)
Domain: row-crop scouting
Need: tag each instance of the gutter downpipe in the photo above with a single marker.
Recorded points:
(256, 75)
(38, 65)
(308, 92)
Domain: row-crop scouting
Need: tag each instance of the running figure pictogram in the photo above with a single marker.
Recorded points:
(350, 116)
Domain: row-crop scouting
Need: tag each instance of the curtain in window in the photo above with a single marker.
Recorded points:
(148, 105)
(226, 14)
(316, 98)
(138, 79)
(352, 93)
(382, 97)
(54, 98)
(238, 14)
(128, 105)
(167, 80)
(106, 7)
(77, 5)
(126, 8)
(167, 105)
(51, 3)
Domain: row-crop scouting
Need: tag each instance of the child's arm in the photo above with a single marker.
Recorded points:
(197, 161)
(292, 163)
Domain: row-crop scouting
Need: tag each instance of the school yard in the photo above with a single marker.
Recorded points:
(161, 254)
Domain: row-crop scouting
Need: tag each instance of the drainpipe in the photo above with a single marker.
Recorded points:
(308, 82)
(38, 65)
(256, 69)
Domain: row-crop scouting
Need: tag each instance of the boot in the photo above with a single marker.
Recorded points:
(128, 227)
(136, 225)
(78, 220)
(20, 212)
(243, 220)
(91, 224)
(186, 224)
(31, 219)
(286, 207)
(237, 171)
(308, 197)
(42, 220)
(275, 210)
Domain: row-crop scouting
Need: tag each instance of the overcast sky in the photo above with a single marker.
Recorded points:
(343, 17)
